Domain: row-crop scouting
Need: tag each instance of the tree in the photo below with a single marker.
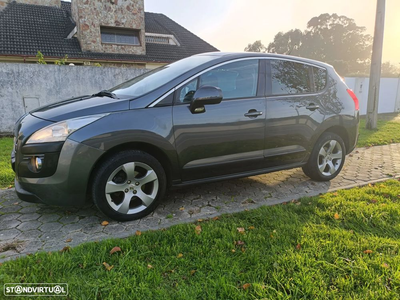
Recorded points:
(334, 39)
(257, 46)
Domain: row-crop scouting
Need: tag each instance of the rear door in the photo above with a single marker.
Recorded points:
(228, 137)
(293, 111)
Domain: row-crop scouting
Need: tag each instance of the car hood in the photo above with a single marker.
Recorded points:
(79, 107)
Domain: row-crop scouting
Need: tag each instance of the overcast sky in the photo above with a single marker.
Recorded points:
(230, 25)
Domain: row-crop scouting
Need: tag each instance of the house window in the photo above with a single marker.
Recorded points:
(119, 36)
(166, 39)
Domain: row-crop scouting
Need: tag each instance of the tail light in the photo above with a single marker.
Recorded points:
(354, 97)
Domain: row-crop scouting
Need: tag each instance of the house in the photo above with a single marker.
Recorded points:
(109, 32)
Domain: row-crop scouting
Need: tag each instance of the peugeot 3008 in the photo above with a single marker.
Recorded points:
(204, 118)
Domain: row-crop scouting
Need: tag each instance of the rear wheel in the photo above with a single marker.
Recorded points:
(327, 158)
(128, 185)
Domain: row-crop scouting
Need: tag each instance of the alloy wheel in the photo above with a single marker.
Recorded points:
(330, 158)
(131, 188)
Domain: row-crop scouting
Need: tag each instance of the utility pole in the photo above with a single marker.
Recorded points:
(376, 64)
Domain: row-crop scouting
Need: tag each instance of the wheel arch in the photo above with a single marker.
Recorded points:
(153, 150)
(342, 132)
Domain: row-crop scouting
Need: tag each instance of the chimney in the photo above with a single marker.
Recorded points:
(110, 26)
(56, 3)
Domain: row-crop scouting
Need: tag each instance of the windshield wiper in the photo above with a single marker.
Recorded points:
(105, 93)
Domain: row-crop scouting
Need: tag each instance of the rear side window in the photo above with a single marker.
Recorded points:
(290, 78)
(320, 76)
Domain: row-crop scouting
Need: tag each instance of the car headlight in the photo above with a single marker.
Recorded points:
(59, 132)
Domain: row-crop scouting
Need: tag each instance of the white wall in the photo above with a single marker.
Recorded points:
(24, 87)
(389, 93)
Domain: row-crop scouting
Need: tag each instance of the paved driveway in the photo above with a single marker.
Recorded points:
(27, 228)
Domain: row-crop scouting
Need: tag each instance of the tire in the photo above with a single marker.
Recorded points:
(128, 185)
(327, 158)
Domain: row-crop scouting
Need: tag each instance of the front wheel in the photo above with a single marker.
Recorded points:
(327, 158)
(128, 185)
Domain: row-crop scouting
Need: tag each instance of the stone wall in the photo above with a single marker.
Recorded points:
(3, 3)
(90, 15)
(24, 87)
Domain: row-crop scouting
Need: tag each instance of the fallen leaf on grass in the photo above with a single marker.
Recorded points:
(233, 250)
(246, 286)
(180, 255)
(199, 220)
(367, 251)
(298, 247)
(192, 272)
(215, 218)
(150, 266)
(373, 201)
(198, 229)
(104, 223)
(138, 232)
(115, 249)
(68, 240)
(107, 266)
(336, 216)
(239, 243)
(243, 249)
(240, 230)
(385, 265)
(251, 227)
(65, 249)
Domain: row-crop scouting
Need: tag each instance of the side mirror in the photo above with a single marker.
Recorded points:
(204, 96)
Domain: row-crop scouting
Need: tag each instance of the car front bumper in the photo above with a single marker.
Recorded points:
(68, 185)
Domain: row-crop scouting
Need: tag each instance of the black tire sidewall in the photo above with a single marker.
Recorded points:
(311, 169)
(104, 170)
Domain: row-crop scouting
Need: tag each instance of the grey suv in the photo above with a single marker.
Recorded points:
(204, 118)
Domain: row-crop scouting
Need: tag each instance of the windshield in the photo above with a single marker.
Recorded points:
(154, 79)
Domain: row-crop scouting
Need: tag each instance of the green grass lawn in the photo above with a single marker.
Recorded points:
(6, 173)
(388, 132)
(342, 245)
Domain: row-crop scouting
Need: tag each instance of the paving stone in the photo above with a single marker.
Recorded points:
(29, 209)
(49, 218)
(29, 217)
(11, 209)
(51, 226)
(71, 227)
(9, 234)
(69, 219)
(114, 229)
(9, 224)
(29, 225)
(29, 235)
(7, 217)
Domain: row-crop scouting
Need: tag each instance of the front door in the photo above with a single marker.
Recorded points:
(227, 138)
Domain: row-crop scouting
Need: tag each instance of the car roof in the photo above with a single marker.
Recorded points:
(237, 55)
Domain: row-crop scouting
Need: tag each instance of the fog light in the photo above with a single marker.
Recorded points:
(38, 163)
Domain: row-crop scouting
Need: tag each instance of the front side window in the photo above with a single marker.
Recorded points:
(290, 78)
(236, 80)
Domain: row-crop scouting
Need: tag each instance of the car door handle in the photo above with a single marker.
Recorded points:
(312, 106)
(252, 113)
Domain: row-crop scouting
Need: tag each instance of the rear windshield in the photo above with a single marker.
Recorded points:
(154, 79)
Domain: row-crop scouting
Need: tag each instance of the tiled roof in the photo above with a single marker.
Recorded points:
(26, 29)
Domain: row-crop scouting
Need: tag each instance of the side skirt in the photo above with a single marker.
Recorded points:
(237, 175)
